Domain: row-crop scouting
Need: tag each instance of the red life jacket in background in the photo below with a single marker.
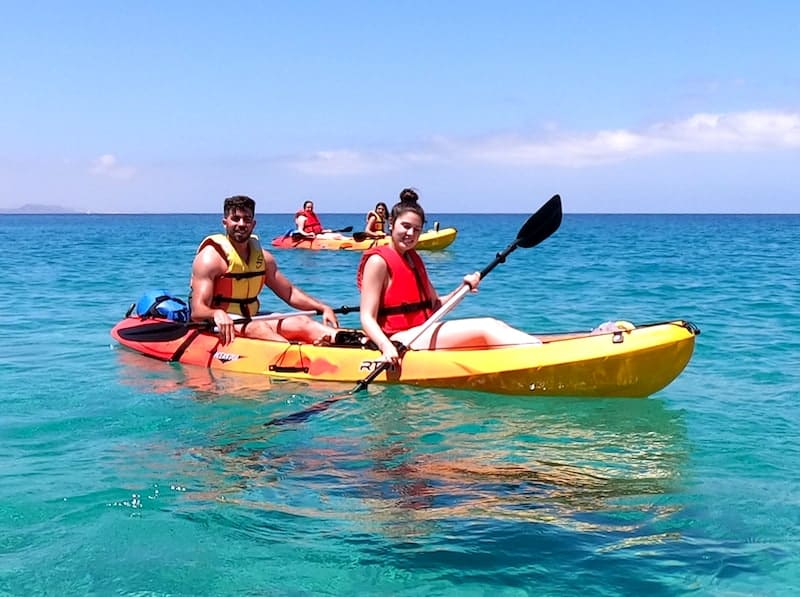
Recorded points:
(405, 302)
(312, 223)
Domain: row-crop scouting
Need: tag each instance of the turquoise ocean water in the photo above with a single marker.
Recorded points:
(125, 476)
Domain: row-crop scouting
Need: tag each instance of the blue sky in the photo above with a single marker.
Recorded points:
(688, 107)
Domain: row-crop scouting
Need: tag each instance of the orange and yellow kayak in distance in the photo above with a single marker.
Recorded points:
(622, 362)
(430, 240)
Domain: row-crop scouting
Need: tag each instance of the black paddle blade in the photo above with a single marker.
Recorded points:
(361, 236)
(537, 228)
(303, 415)
(541, 224)
(162, 331)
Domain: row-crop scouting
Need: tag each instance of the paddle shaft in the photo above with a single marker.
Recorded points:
(344, 309)
(166, 331)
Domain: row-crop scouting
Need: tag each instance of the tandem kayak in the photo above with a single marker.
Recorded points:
(632, 361)
(431, 240)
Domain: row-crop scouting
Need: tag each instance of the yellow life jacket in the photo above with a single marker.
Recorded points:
(236, 291)
(378, 220)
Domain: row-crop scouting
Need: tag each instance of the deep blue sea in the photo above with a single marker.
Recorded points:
(126, 476)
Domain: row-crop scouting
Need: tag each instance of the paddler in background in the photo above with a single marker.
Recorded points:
(308, 223)
(376, 221)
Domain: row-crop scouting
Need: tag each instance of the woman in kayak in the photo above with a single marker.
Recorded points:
(309, 225)
(397, 297)
(376, 221)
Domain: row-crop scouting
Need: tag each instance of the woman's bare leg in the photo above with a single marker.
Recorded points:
(467, 333)
(299, 328)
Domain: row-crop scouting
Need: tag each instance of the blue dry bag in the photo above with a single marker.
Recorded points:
(160, 303)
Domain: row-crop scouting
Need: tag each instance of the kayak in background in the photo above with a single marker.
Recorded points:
(431, 240)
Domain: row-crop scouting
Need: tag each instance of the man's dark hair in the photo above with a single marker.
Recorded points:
(239, 202)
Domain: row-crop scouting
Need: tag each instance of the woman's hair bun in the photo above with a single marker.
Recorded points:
(409, 196)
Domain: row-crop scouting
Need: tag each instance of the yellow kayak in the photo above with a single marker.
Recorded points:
(616, 359)
(430, 240)
(620, 362)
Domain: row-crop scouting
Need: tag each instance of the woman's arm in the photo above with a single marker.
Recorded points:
(373, 281)
(300, 223)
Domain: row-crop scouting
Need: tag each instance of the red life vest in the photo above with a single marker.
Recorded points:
(405, 302)
(312, 223)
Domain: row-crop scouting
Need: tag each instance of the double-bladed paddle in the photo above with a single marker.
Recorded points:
(166, 331)
(537, 228)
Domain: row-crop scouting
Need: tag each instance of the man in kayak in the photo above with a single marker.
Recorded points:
(397, 297)
(308, 224)
(228, 274)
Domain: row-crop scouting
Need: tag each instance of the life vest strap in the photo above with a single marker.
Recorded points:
(406, 308)
(219, 299)
(242, 275)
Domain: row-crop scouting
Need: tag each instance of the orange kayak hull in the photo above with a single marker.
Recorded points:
(629, 363)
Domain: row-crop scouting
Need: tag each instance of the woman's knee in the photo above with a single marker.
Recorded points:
(482, 323)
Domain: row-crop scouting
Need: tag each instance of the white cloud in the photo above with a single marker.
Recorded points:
(700, 133)
(107, 165)
(752, 131)
(350, 162)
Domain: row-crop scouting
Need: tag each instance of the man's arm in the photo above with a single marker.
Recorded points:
(208, 265)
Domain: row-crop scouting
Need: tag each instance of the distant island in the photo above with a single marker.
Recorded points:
(37, 208)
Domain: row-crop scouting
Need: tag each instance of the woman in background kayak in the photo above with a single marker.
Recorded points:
(398, 298)
(309, 225)
(376, 221)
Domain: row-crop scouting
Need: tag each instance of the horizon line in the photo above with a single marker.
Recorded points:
(14, 212)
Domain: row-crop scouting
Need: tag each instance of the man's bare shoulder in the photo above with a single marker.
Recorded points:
(209, 259)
